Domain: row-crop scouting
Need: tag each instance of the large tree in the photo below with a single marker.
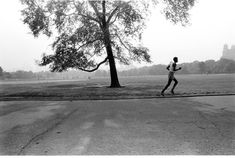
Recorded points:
(90, 33)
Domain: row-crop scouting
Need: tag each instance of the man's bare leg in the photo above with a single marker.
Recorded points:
(175, 84)
(167, 85)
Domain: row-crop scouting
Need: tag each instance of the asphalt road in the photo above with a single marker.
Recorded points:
(161, 126)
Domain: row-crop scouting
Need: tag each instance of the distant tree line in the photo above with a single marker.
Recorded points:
(196, 67)
(43, 75)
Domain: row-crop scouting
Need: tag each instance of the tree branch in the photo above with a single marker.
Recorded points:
(111, 23)
(89, 42)
(95, 9)
(122, 42)
(112, 14)
(97, 67)
(104, 8)
(85, 16)
(115, 11)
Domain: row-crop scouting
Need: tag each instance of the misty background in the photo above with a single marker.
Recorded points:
(199, 46)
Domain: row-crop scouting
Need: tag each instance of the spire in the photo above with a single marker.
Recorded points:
(225, 47)
(225, 50)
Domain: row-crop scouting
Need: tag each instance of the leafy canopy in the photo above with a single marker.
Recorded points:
(81, 26)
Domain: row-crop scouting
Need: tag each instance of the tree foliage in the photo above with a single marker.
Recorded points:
(177, 10)
(80, 27)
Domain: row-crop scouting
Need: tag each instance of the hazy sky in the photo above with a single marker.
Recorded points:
(212, 25)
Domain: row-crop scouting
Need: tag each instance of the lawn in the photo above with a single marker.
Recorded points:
(133, 87)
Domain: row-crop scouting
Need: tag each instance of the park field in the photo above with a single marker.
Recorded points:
(133, 87)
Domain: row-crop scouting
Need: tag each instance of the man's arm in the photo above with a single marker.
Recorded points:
(168, 67)
(174, 67)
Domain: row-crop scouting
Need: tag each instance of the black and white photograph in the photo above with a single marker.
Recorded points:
(117, 78)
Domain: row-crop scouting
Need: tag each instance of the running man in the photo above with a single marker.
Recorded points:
(172, 69)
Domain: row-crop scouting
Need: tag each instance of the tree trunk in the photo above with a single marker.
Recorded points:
(112, 67)
(113, 71)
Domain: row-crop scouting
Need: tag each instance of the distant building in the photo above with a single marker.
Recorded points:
(229, 53)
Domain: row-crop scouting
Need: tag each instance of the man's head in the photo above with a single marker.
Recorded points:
(175, 59)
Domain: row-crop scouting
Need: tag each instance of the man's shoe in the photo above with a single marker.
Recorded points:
(172, 92)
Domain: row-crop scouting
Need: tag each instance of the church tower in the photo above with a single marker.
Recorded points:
(228, 53)
(225, 50)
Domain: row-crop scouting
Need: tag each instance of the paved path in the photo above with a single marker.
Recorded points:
(200, 125)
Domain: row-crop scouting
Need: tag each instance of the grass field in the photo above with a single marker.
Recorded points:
(133, 87)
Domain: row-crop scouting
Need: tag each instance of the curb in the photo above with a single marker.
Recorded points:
(40, 98)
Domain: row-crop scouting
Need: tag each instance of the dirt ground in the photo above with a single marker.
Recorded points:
(159, 126)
